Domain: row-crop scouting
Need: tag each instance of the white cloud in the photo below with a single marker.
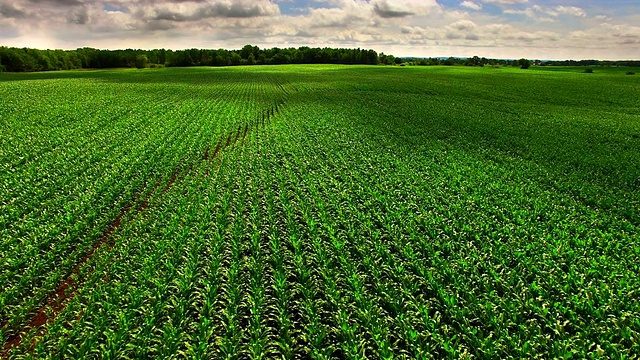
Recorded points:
(570, 10)
(602, 17)
(471, 5)
(463, 25)
(334, 18)
(540, 13)
(506, 2)
(535, 12)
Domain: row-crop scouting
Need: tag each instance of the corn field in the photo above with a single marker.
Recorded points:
(319, 212)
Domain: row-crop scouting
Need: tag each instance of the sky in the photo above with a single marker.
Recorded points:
(535, 29)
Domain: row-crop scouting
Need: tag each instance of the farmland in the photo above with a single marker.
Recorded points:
(320, 212)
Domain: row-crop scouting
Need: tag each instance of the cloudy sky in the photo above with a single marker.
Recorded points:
(546, 29)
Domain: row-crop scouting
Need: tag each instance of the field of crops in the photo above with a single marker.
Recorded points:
(320, 212)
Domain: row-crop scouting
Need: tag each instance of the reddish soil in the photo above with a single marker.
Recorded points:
(235, 140)
(143, 206)
(172, 181)
(205, 156)
(217, 150)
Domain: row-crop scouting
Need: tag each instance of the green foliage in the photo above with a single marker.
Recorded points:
(321, 212)
(524, 63)
(142, 61)
(235, 59)
(28, 60)
(588, 71)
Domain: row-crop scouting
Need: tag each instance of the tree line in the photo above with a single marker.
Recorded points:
(610, 63)
(27, 60)
(523, 63)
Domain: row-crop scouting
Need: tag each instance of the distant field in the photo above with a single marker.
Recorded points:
(320, 212)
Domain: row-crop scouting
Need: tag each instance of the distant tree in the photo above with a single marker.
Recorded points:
(386, 59)
(196, 56)
(346, 59)
(206, 59)
(372, 57)
(246, 51)
(142, 61)
(223, 58)
(236, 59)
(252, 59)
(17, 60)
(296, 57)
(390, 60)
(62, 59)
(381, 58)
(42, 61)
(524, 63)
(262, 58)
(180, 58)
(23, 59)
(279, 58)
(162, 57)
(588, 70)
(76, 63)
(127, 59)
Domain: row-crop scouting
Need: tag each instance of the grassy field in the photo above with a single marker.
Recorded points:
(320, 212)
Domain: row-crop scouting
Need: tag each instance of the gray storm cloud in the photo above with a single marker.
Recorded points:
(58, 2)
(217, 10)
(384, 10)
(10, 11)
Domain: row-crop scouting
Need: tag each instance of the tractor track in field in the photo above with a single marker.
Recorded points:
(68, 288)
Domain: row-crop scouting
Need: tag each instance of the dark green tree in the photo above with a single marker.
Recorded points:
(236, 59)
(141, 61)
(251, 60)
(524, 63)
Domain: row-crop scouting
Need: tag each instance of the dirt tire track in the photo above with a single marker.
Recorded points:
(217, 150)
(237, 135)
(67, 289)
